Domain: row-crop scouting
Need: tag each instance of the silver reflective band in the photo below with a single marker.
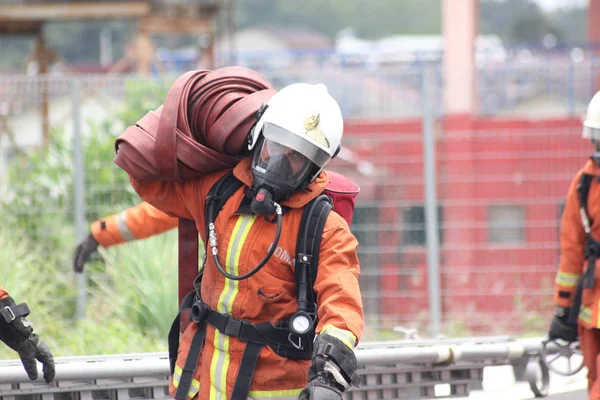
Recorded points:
(123, 228)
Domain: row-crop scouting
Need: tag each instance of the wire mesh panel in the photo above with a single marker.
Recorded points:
(500, 188)
(500, 182)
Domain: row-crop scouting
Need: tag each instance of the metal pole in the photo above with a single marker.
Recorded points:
(106, 47)
(418, 356)
(431, 217)
(231, 32)
(571, 83)
(79, 190)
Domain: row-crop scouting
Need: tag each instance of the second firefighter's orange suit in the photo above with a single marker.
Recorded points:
(572, 266)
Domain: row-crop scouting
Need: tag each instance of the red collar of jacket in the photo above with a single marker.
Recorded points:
(298, 199)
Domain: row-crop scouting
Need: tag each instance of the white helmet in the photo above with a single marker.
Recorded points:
(305, 118)
(591, 124)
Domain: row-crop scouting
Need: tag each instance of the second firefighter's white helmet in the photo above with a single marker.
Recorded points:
(591, 124)
(303, 117)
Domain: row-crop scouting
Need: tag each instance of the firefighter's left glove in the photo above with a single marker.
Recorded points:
(332, 371)
(83, 252)
(560, 328)
(321, 388)
(18, 334)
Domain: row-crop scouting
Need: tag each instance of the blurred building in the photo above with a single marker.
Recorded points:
(408, 48)
(274, 47)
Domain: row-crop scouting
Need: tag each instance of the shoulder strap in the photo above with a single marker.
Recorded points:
(583, 190)
(218, 195)
(308, 245)
(188, 233)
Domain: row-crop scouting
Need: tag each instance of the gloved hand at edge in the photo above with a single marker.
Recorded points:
(18, 334)
(560, 328)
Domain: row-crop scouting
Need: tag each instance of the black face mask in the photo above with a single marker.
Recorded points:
(278, 184)
(273, 171)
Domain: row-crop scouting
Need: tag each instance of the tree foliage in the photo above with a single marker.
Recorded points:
(370, 19)
(518, 21)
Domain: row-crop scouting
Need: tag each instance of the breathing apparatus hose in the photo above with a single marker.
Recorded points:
(212, 241)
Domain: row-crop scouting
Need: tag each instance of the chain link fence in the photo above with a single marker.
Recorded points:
(493, 193)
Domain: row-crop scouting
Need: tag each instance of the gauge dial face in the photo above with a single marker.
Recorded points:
(301, 323)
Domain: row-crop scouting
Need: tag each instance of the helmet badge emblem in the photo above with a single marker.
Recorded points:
(311, 122)
(313, 131)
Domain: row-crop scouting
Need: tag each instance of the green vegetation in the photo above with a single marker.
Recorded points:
(132, 289)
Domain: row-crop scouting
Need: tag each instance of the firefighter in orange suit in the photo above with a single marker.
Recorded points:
(577, 293)
(246, 289)
(18, 334)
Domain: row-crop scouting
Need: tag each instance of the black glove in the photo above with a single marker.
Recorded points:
(18, 334)
(83, 251)
(560, 328)
(330, 355)
(324, 387)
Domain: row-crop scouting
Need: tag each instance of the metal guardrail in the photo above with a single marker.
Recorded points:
(408, 369)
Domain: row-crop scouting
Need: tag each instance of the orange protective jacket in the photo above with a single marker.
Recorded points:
(572, 245)
(135, 223)
(3, 292)
(270, 294)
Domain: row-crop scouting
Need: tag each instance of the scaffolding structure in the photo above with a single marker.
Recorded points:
(208, 19)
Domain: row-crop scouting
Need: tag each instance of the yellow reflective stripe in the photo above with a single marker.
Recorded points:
(291, 394)
(345, 336)
(567, 279)
(585, 314)
(123, 228)
(194, 388)
(220, 361)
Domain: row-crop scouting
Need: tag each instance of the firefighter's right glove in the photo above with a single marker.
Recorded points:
(332, 371)
(18, 334)
(83, 252)
(560, 328)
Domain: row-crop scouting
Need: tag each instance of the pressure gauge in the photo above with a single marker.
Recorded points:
(301, 323)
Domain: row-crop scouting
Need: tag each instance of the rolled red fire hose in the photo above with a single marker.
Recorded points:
(201, 127)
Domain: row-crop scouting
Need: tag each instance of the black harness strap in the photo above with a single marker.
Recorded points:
(592, 247)
(10, 313)
(246, 371)
(583, 190)
(218, 195)
(308, 248)
(187, 373)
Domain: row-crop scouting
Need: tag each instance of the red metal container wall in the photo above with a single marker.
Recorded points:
(481, 163)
